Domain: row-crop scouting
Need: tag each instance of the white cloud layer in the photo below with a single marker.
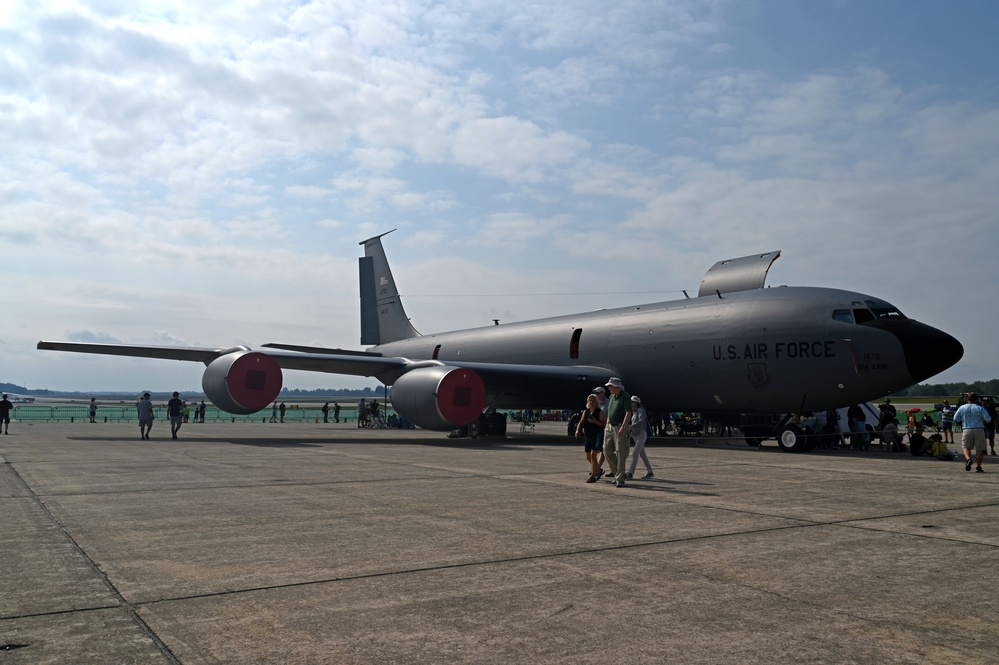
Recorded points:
(200, 174)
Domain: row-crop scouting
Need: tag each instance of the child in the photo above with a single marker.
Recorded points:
(938, 448)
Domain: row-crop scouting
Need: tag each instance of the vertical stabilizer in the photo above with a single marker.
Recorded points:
(383, 319)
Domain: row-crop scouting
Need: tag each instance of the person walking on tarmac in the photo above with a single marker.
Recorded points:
(617, 439)
(145, 410)
(640, 434)
(972, 418)
(591, 423)
(5, 408)
(175, 412)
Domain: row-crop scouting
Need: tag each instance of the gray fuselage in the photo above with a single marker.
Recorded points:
(784, 349)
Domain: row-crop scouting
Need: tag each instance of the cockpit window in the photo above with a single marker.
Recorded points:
(843, 316)
(867, 311)
(863, 315)
(887, 313)
(871, 313)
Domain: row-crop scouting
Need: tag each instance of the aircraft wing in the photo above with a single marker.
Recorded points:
(347, 362)
(538, 386)
(164, 352)
(541, 384)
(508, 385)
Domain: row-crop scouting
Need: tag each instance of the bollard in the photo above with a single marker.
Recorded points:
(105, 418)
(72, 419)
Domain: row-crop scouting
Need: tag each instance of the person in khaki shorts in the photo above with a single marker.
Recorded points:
(617, 433)
(972, 418)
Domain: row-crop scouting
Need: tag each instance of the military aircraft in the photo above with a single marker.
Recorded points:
(737, 347)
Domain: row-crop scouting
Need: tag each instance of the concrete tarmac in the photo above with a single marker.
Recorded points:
(312, 543)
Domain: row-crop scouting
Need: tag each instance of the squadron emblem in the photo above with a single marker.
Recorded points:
(758, 377)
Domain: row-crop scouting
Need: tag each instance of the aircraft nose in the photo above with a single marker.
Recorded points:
(928, 351)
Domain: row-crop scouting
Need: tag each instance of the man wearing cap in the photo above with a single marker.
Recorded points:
(145, 409)
(972, 418)
(617, 434)
(175, 412)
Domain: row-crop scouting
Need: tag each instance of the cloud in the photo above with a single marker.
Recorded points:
(234, 154)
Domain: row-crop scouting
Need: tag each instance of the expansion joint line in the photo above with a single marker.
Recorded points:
(122, 602)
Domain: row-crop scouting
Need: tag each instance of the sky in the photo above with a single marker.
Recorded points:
(200, 174)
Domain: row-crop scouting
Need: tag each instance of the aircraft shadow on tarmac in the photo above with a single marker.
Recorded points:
(261, 443)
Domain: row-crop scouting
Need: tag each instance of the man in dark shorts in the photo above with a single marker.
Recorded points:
(591, 424)
(175, 412)
(5, 409)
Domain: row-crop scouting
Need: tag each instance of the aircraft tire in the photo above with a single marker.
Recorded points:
(497, 425)
(573, 424)
(793, 439)
(475, 428)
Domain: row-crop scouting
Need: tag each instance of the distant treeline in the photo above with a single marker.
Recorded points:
(950, 389)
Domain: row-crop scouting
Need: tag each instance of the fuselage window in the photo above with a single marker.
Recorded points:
(574, 343)
(843, 316)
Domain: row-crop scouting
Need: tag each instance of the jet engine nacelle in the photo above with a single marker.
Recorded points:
(439, 398)
(242, 382)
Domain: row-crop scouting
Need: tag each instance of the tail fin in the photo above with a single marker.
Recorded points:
(383, 319)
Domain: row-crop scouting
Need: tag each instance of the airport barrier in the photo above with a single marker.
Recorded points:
(127, 413)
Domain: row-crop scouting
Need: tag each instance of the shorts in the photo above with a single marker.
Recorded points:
(947, 425)
(974, 439)
(176, 420)
(5, 420)
(145, 421)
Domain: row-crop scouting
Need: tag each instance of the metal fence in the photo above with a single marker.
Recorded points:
(127, 413)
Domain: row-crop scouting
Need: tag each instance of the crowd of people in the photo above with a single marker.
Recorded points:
(916, 432)
(608, 425)
(178, 413)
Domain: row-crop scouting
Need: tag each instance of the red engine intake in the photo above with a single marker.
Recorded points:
(242, 382)
(439, 398)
